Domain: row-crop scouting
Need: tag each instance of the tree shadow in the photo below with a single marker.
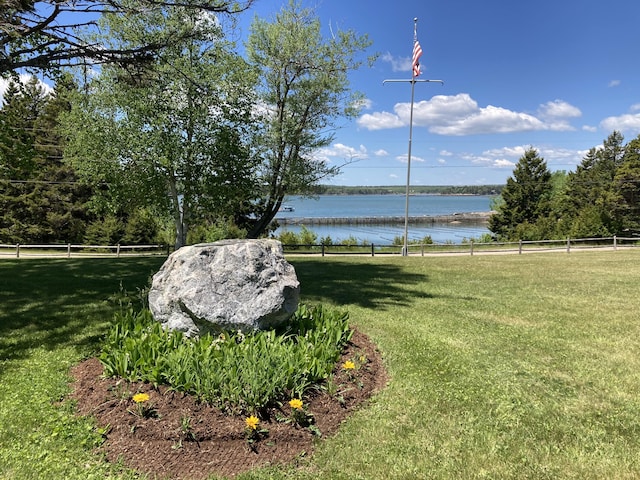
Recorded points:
(64, 302)
(366, 284)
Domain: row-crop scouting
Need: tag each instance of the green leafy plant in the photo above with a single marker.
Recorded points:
(235, 371)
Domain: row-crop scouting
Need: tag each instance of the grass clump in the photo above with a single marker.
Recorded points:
(237, 372)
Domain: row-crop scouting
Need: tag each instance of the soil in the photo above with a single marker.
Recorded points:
(181, 438)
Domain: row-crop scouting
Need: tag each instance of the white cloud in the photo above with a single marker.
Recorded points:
(627, 123)
(589, 128)
(379, 121)
(460, 114)
(557, 113)
(614, 83)
(507, 157)
(402, 64)
(414, 158)
(381, 153)
(503, 163)
(339, 150)
(445, 153)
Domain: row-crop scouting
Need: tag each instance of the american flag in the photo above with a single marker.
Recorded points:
(417, 53)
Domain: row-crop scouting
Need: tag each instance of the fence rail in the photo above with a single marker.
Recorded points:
(68, 250)
(471, 248)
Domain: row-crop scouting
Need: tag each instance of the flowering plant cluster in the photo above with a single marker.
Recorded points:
(142, 408)
(252, 431)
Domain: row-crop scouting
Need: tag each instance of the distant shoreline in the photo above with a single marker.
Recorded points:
(455, 218)
(489, 190)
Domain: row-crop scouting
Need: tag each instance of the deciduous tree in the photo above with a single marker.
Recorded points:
(49, 34)
(174, 136)
(304, 91)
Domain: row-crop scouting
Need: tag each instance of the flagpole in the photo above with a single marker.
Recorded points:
(405, 247)
(415, 71)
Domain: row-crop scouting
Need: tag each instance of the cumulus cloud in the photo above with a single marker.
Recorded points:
(341, 151)
(381, 153)
(557, 113)
(379, 121)
(460, 114)
(507, 157)
(398, 64)
(414, 158)
(627, 123)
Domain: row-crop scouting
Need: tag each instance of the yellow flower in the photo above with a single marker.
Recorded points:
(348, 365)
(140, 397)
(252, 422)
(296, 404)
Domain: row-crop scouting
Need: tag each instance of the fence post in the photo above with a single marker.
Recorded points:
(568, 245)
(68, 250)
(322, 249)
(520, 247)
(615, 242)
(118, 251)
(17, 250)
(373, 253)
(471, 247)
(422, 249)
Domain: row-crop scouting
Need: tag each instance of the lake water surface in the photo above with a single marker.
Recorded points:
(354, 206)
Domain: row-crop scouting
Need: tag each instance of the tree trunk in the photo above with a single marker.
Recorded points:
(261, 224)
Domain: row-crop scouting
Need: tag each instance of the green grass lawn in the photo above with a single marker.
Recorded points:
(515, 366)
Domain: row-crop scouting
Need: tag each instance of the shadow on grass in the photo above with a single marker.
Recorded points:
(63, 302)
(366, 284)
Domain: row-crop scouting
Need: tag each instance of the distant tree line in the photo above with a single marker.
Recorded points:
(414, 189)
(601, 198)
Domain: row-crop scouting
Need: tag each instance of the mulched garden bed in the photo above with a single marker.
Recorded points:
(187, 439)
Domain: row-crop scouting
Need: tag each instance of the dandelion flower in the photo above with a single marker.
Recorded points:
(296, 404)
(348, 365)
(140, 397)
(252, 422)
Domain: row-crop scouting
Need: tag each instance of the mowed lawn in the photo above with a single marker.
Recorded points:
(509, 366)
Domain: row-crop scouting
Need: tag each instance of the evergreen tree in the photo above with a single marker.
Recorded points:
(590, 208)
(41, 200)
(525, 198)
(627, 183)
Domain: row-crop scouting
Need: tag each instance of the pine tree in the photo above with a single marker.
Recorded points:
(590, 204)
(40, 199)
(525, 198)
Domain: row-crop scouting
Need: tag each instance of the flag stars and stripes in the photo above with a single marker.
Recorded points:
(417, 53)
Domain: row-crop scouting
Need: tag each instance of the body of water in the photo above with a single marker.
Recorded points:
(383, 206)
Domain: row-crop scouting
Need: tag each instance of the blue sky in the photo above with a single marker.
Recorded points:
(555, 75)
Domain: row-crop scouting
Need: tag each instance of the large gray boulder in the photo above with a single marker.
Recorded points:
(227, 285)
